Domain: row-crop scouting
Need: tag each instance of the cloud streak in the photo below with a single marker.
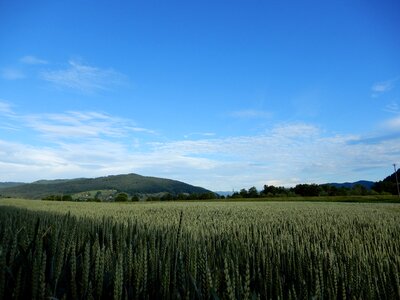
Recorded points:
(382, 87)
(276, 157)
(389, 130)
(12, 74)
(392, 107)
(5, 108)
(77, 144)
(251, 114)
(73, 125)
(83, 78)
(32, 60)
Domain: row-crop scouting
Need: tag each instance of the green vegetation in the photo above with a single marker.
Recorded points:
(139, 188)
(130, 184)
(122, 197)
(199, 250)
(383, 188)
(315, 190)
(331, 199)
(9, 184)
(388, 185)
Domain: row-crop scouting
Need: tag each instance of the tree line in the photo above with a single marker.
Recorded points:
(124, 197)
(300, 190)
(384, 187)
(305, 190)
(387, 186)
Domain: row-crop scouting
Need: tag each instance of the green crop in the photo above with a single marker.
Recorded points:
(199, 250)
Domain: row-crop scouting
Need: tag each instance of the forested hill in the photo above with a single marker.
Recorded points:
(9, 184)
(388, 184)
(129, 183)
(367, 184)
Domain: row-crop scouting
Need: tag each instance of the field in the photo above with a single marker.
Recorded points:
(199, 250)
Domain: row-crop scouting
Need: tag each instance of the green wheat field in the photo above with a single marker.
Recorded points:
(199, 250)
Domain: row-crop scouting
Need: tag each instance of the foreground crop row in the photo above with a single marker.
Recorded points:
(200, 251)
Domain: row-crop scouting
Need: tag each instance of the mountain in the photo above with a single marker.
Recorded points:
(9, 184)
(128, 183)
(224, 193)
(367, 184)
(388, 184)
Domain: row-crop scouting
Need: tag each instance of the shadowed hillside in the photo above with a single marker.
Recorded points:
(129, 183)
(388, 184)
(4, 185)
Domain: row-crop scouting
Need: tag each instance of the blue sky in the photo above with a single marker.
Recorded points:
(221, 94)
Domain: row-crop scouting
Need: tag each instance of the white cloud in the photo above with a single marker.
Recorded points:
(89, 144)
(5, 108)
(32, 60)
(278, 155)
(12, 74)
(81, 125)
(379, 88)
(219, 164)
(250, 114)
(392, 124)
(25, 155)
(202, 134)
(392, 107)
(296, 130)
(140, 129)
(83, 78)
(382, 87)
(6, 116)
(389, 130)
(71, 143)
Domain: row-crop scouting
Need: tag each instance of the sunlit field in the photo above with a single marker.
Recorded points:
(199, 250)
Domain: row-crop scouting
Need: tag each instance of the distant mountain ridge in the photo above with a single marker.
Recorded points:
(10, 184)
(128, 183)
(389, 184)
(365, 183)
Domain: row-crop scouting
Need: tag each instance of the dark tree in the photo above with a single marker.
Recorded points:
(167, 197)
(252, 193)
(243, 193)
(121, 197)
(66, 198)
(307, 190)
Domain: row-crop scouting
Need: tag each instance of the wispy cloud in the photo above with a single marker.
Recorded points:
(375, 139)
(290, 154)
(220, 164)
(12, 74)
(78, 125)
(72, 126)
(7, 113)
(83, 78)
(389, 130)
(250, 114)
(77, 144)
(5, 108)
(22, 155)
(199, 134)
(392, 107)
(392, 124)
(32, 60)
(296, 130)
(71, 143)
(382, 87)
